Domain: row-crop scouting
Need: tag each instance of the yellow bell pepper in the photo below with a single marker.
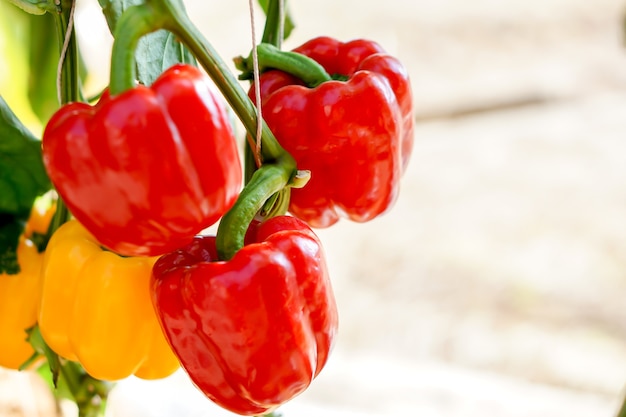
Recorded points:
(20, 294)
(96, 309)
(19, 299)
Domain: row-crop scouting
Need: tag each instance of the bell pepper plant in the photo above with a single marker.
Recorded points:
(124, 280)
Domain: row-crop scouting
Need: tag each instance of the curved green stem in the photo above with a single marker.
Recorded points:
(266, 181)
(134, 23)
(298, 65)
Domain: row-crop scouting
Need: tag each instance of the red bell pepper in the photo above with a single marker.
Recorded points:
(354, 133)
(146, 170)
(251, 332)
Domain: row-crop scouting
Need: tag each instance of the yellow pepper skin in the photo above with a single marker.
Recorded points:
(96, 309)
(19, 300)
(20, 293)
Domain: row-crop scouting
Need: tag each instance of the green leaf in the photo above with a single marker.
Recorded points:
(156, 51)
(43, 60)
(35, 6)
(113, 9)
(50, 372)
(22, 178)
(11, 227)
(22, 173)
(289, 23)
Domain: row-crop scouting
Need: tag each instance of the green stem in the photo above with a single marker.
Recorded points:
(272, 31)
(249, 162)
(61, 215)
(134, 23)
(298, 65)
(266, 181)
(70, 79)
(71, 379)
(90, 394)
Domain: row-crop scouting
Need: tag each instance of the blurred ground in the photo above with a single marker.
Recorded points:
(496, 285)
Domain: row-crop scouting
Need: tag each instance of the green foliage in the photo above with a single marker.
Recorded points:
(36, 7)
(22, 173)
(51, 370)
(155, 52)
(22, 178)
(113, 9)
(11, 226)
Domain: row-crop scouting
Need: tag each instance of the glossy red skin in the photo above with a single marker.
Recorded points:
(354, 136)
(146, 170)
(254, 331)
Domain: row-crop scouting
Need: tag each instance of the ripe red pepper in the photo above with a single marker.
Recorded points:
(146, 170)
(251, 332)
(354, 134)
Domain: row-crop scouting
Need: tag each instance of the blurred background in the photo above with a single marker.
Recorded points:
(497, 284)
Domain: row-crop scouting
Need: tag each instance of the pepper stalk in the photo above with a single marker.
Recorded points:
(298, 65)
